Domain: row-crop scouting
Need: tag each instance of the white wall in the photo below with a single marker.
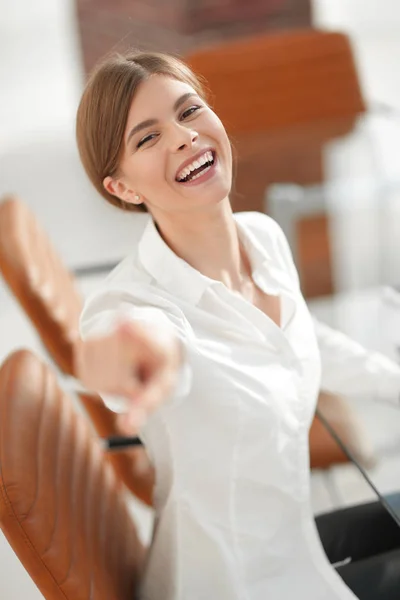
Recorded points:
(374, 29)
(365, 223)
(40, 81)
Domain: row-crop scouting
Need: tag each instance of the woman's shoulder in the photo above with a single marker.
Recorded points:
(123, 280)
(113, 293)
(128, 290)
(258, 221)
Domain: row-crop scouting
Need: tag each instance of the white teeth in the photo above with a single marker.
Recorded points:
(200, 174)
(184, 173)
(196, 164)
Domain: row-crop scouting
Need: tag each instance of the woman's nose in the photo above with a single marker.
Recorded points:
(185, 138)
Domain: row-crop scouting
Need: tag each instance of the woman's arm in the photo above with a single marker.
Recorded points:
(347, 367)
(350, 369)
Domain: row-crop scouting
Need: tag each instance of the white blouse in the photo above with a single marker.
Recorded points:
(230, 447)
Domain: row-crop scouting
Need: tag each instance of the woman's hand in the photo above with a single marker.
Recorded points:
(133, 361)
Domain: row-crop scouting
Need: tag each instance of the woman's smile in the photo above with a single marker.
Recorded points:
(199, 170)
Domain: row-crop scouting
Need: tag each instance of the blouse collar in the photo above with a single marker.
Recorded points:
(180, 278)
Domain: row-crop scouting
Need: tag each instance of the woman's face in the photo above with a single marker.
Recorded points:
(177, 156)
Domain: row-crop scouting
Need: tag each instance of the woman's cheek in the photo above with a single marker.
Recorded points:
(147, 170)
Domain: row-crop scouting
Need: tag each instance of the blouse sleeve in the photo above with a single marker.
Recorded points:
(350, 369)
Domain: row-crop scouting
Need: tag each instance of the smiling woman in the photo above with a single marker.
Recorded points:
(141, 143)
(203, 333)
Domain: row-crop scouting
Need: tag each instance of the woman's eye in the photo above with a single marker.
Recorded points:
(146, 139)
(189, 111)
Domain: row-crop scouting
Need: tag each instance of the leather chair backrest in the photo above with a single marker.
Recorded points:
(61, 507)
(44, 287)
(279, 80)
(46, 291)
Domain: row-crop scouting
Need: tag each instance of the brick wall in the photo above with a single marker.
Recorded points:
(179, 26)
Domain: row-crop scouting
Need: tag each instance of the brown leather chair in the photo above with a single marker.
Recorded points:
(61, 506)
(47, 293)
(281, 96)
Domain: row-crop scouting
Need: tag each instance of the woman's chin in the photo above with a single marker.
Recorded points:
(205, 195)
(213, 197)
(213, 194)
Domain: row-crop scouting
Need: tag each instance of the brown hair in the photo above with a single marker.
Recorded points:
(104, 108)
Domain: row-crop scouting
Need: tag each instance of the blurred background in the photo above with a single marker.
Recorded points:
(309, 91)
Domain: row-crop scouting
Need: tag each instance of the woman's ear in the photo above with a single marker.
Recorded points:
(112, 186)
(117, 188)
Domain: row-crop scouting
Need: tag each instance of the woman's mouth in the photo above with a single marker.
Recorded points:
(199, 170)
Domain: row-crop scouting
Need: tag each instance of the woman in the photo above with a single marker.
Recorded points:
(203, 329)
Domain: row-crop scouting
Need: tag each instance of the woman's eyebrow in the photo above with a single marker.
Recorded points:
(150, 122)
(183, 99)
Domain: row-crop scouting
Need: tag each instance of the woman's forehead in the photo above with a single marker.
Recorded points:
(157, 93)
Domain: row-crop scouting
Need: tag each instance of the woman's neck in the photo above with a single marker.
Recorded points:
(208, 240)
